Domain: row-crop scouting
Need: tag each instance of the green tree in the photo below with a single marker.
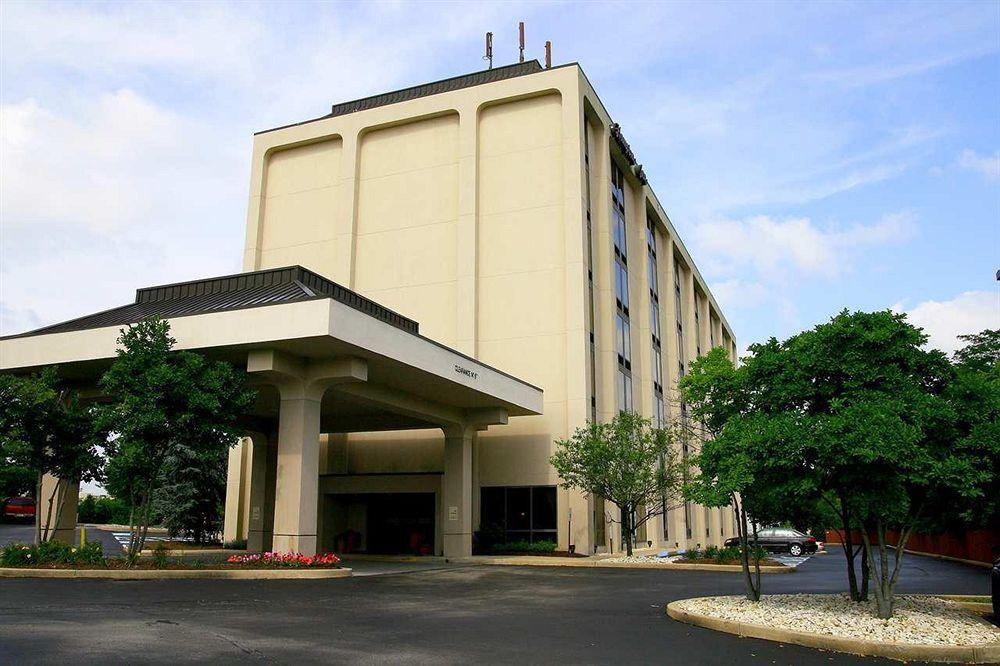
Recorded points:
(44, 429)
(163, 401)
(191, 497)
(981, 352)
(729, 407)
(973, 394)
(628, 462)
(861, 417)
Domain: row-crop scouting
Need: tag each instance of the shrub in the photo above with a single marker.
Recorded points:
(692, 554)
(711, 553)
(103, 510)
(160, 559)
(728, 554)
(285, 560)
(235, 544)
(524, 547)
(50, 552)
(487, 537)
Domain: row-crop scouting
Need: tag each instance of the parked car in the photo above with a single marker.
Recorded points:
(995, 587)
(783, 540)
(19, 508)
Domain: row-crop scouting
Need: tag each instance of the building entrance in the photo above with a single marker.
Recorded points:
(382, 523)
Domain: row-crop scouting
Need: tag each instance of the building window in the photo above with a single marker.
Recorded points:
(523, 513)
(590, 276)
(697, 326)
(623, 380)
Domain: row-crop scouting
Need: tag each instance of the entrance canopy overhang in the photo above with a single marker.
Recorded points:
(287, 322)
(323, 359)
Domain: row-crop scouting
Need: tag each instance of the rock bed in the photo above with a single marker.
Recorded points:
(918, 619)
(641, 559)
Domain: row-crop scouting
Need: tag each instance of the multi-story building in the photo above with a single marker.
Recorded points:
(505, 211)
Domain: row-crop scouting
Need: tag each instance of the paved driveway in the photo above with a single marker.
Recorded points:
(25, 533)
(442, 614)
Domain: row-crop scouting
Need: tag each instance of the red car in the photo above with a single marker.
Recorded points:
(22, 508)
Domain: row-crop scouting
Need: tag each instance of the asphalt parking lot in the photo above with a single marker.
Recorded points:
(422, 613)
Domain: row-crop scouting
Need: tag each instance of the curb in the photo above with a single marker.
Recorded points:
(204, 552)
(586, 563)
(175, 574)
(968, 654)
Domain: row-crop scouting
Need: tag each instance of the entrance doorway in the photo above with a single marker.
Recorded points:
(381, 523)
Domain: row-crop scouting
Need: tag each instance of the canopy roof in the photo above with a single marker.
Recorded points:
(409, 381)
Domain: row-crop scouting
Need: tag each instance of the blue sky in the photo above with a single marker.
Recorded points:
(813, 156)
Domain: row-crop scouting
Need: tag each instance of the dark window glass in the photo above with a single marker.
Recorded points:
(654, 319)
(657, 369)
(491, 507)
(524, 512)
(543, 508)
(518, 509)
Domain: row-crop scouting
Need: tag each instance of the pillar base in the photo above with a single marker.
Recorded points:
(457, 545)
(294, 543)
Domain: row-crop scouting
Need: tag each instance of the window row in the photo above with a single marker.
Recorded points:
(525, 513)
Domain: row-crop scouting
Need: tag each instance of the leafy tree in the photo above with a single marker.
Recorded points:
(628, 462)
(728, 405)
(981, 352)
(162, 403)
(191, 497)
(15, 479)
(44, 429)
(973, 394)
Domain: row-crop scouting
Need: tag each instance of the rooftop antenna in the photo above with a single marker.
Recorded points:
(520, 30)
(489, 49)
(548, 55)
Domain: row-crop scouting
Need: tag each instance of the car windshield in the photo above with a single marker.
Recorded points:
(21, 502)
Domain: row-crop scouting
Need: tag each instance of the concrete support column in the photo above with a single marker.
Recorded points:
(232, 525)
(297, 485)
(258, 493)
(301, 384)
(456, 491)
(57, 525)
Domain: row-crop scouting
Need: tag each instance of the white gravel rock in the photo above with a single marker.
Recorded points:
(918, 619)
(640, 559)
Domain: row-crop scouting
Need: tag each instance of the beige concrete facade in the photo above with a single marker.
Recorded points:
(483, 212)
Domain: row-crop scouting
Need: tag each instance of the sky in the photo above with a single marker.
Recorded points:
(813, 157)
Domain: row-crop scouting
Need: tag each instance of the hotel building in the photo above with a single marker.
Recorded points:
(505, 211)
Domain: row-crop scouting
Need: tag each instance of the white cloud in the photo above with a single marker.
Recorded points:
(118, 160)
(987, 165)
(737, 293)
(775, 248)
(944, 321)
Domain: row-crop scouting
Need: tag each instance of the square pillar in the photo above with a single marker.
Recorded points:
(232, 525)
(456, 492)
(58, 525)
(258, 533)
(297, 480)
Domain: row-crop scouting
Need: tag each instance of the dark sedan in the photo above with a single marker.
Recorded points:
(782, 540)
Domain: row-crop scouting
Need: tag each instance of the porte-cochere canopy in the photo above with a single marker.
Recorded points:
(325, 360)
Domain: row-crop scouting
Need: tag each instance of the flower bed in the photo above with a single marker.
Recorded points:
(56, 555)
(284, 561)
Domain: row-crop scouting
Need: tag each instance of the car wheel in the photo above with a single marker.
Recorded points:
(795, 550)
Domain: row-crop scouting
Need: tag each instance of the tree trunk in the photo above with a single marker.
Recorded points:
(883, 581)
(627, 528)
(752, 590)
(47, 534)
(849, 553)
(866, 573)
(38, 498)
